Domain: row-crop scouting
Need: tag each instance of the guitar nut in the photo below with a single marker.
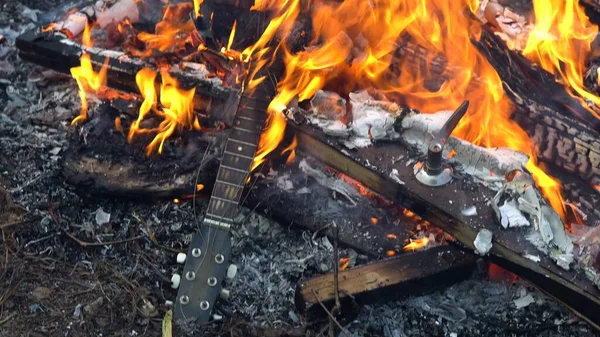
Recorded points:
(196, 252)
(190, 275)
(184, 300)
(212, 281)
(204, 305)
(219, 258)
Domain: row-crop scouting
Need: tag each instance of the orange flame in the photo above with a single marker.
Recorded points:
(344, 263)
(197, 5)
(88, 80)
(354, 45)
(416, 244)
(177, 109)
(231, 35)
(560, 43)
(171, 33)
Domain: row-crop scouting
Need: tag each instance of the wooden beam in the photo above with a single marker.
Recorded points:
(119, 173)
(408, 274)
(442, 206)
(56, 52)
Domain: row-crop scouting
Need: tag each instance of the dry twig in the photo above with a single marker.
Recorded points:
(92, 244)
(329, 314)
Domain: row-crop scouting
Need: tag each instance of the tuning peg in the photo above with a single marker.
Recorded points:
(168, 303)
(181, 258)
(224, 294)
(175, 279)
(217, 317)
(231, 271)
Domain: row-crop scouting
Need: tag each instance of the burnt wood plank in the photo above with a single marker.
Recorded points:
(565, 132)
(442, 207)
(409, 274)
(56, 52)
(95, 173)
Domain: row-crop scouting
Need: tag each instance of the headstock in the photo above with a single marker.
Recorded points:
(206, 266)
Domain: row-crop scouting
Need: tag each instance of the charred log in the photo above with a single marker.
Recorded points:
(61, 54)
(410, 274)
(509, 248)
(107, 166)
(564, 131)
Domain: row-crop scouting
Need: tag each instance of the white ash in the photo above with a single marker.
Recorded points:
(102, 217)
(333, 183)
(465, 309)
(511, 216)
(483, 241)
(419, 130)
(395, 175)
(469, 211)
(533, 258)
(334, 128)
(513, 23)
(524, 301)
(518, 202)
(373, 119)
(328, 105)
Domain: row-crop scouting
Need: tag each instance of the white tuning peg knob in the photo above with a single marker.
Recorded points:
(224, 294)
(175, 279)
(181, 258)
(231, 271)
(168, 303)
(217, 317)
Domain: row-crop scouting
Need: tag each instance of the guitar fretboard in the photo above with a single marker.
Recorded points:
(238, 157)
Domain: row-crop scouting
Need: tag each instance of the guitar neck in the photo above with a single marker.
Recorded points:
(238, 157)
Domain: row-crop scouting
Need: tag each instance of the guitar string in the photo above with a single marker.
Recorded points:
(210, 237)
(244, 178)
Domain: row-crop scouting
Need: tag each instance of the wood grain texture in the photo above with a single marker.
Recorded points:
(407, 274)
(442, 206)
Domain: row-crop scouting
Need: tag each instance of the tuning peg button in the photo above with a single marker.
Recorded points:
(231, 271)
(168, 303)
(225, 294)
(217, 317)
(175, 279)
(181, 258)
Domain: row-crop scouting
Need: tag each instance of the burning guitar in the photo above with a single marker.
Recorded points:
(206, 263)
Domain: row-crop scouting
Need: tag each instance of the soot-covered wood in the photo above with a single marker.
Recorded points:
(442, 206)
(105, 165)
(410, 274)
(59, 54)
(564, 132)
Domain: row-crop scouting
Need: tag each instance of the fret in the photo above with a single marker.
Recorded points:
(241, 142)
(234, 169)
(250, 119)
(224, 200)
(247, 124)
(247, 130)
(238, 155)
(228, 192)
(229, 184)
(220, 218)
(221, 208)
(232, 176)
(237, 161)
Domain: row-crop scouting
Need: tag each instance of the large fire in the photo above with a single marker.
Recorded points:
(560, 42)
(353, 46)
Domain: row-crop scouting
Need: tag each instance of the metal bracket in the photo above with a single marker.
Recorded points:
(434, 172)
